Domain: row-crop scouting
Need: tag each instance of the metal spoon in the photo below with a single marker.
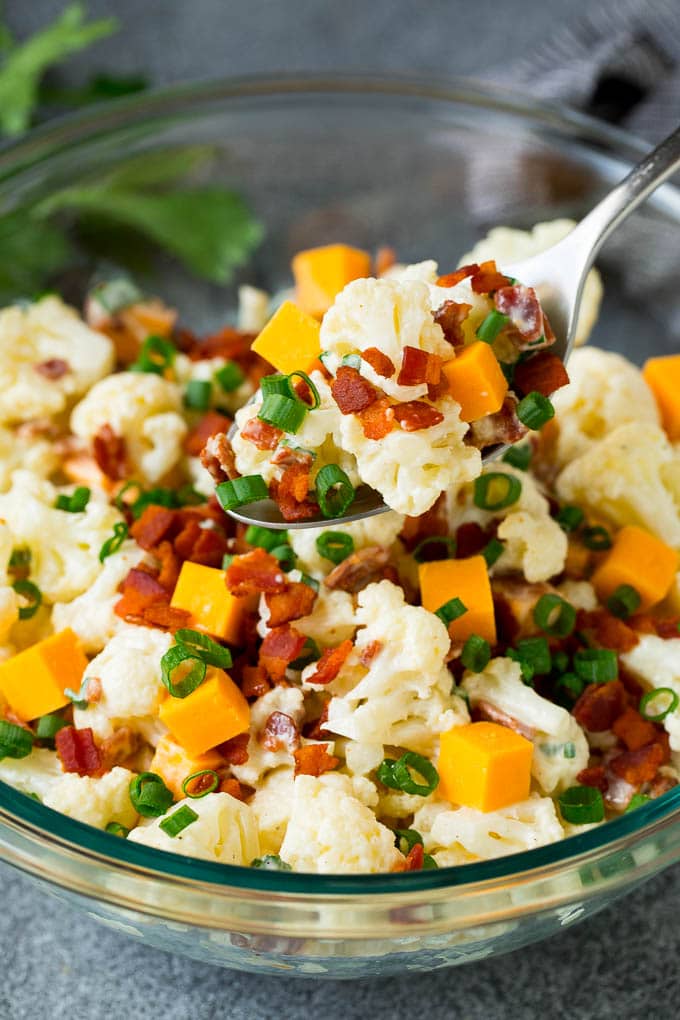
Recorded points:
(560, 274)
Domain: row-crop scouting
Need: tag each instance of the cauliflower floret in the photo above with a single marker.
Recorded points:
(332, 619)
(91, 614)
(507, 245)
(560, 746)
(288, 700)
(606, 390)
(580, 594)
(47, 330)
(631, 477)
(225, 831)
(656, 663)
(271, 806)
(404, 696)
(38, 456)
(129, 670)
(38, 773)
(253, 309)
(95, 801)
(64, 546)
(332, 832)
(145, 410)
(379, 530)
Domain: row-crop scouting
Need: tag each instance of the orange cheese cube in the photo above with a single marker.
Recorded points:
(202, 592)
(33, 681)
(662, 375)
(321, 273)
(641, 560)
(468, 580)
(173, 764)
(485, 766)
(216, 711)
(476, 381)
(290, 340)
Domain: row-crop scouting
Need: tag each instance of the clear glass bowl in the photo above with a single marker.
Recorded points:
(426, 167)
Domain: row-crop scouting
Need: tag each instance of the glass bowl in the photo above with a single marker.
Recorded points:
(426, 167)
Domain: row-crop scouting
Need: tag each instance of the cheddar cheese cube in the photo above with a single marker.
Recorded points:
(475, 379)
(33, 681)
(174, 764)
(290, 340)
(662, 375)
(467, 580)
(321, 273)
(202, 592)
(485, 766)
(216, 711)
(639, 559)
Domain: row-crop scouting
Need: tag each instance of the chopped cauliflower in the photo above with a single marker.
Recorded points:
(655, 662)
(47, 331)
(271, 806)
(96, 801)
(38, 456)
(382, 529)
(331, 621)
(253, 308)
(225, 831)
(289, 701)
(38, 773)
(144, 409)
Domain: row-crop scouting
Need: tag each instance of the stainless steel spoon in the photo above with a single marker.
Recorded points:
(559, 273)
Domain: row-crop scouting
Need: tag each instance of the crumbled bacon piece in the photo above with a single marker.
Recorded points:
(484, 710)
(414, 858)
(607, 630)
(451, 279)
(254, 683)
(153, 526)
(280, 733)
(141, 589)
(359, 569)
(109, 451)
(235, 751)
(255, 572)
(377, 420)
(229, 343)
(450, 316)
(169, 565)
(419, 367)
(314, 760)
(640, 766)
(78, 752)
(316, 730)
(521, 304)
(471, 538)
(208, 548)
(120, 746)
(330, 663)
(633, 730)
(369, 652)
(668, 629)
(166, 617)
(487, 278)
(53, 368)
(543, 373)
(261, 434)
(379, 362)
(595, 776)
(291, 491)
(281, 646)
(433, 522)
(219, 459)
(599, 705)
(293, 603)
(415, 415)
(211, 424)
(502, 427)
(351, 392)
(233, 788)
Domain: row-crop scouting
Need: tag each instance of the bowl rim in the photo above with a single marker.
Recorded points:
(53, 829)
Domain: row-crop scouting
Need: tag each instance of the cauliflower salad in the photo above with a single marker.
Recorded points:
(490, 666)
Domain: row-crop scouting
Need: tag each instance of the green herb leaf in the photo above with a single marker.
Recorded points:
(31, 252)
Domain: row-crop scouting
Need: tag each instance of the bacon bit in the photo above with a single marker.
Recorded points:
(379, 362)
(211, 424)
(577, 562)
(38, 428)
(415, 415)
(385, 258)
(607, 630)
(281, 646)
(233, 788)
(153, 526)
(316, 730)
(314, 760)
(635, 767)
(359, 569)
(543, 373)
(94, 690)
(450, 316)
(484, 710)
(451, 279)
(433, 522)
(201, 545)
(521, 304)
(502, 427)
(370, 652)
(235, 751)
(15, 719)
(331, 662)
(165, 617)
(595, 776)
(255, 572)
(295, 602)
(254, 683)
(630, 728)
(219, 459)
(280, 733)
(668, 629)
(261, 434)
(633, 687)
(600, 705)
(661, 784)
(78, 752)
(169, 565)
(351, 392)
(140, 590)
(487, 278)
(120, 746)
(82, 469)
(291, 492)
(377, 420)
(110, 452)
(229, 343)
(471, 538)
(53, 368)
(419, 367)
(415, 858)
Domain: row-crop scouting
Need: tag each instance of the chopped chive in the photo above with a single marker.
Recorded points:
(406, 839)
(476, 653)
(30, 591)
(239, 491)
(496, 490)
(113, 544)
(492, 551)
(285, 554)
(316, 398)
(535, 410)
(176, 678)
(203, 647)
(229, 377)
(568, 689)
(397, 774)
(285, 413)
(596, 538)
(450, 611)
(76, 502)
(596, 665)
(116, 829)
(570, 518)
(581, 805)
(78, 698)
(518, 456)
(197, 394)
(48, 726)
(15, 741)
(335, 546)
(200, 784)
(624, 601)
(334, 491)
(178, 821)
(665, 693)
(277, 383)
(265, 538)
(636, 801)
(533, 656)
(149, 795)
(491, 326)
(554, 615)
(351, 361)
(156, 356)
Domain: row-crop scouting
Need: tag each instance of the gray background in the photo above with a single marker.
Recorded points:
(59, 964)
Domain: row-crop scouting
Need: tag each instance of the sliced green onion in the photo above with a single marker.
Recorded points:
(78, 698)
(285, 413)
(15, 741)
(533, 656)
(451, 610)
(429, 863)
(227, 560)
(568, 688)
(535, 410)
(385, 773)
(560, 662)
(76, 502)
(351, 361)
(20, 561)
(596, 538)
(411, 762)
(277, 384)
(113, 544)
(316, 398)
(204, 648)
(491, 326)
(172, 662)
(197, 394)
(187, 495)
(116, 829)
(239, 491)
(229, 377)
(492, 551)
(555, 616)
(201, 787)
(48, 726)
(570, 518)
(154, 497)
(431, 542)
(114, 295)
(636, 801)
(495, 490)
(270, 862)
(265, 538)
(624, 601)
(518, 456)
(178, 821)
(476, 653)
(123, 504)
(596, 665)
(334, 491)
(581, 805)
(570, 749)
(285, 554)
(29, 591)
(311, 581)
(664, 693)
(310, 653)
(335, 546)
(149, 795)
(407, 839)
(156, 356)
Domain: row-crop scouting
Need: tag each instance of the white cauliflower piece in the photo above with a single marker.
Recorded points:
(581, 594)
(404, 697)
(288, 700)
(47, 330)
(382, 529)
(507, 245)
(272, 805)
(145, 410)
(129, 670)
(64, 546)
(331, 621)
(606, 390)
(96, 801)
(17, 451)
(631, 477)
(655, 662)
(253, 309)
(331, 831)
(560, 746)
(225, 831)
(38, 773)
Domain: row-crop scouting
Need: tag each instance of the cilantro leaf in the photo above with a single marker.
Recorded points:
(31, 251)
